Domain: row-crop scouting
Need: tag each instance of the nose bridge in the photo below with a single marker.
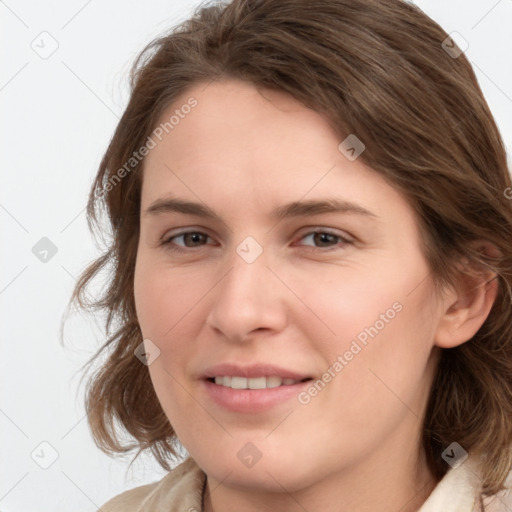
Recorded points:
(247, 297)
(250, 268)
(247, 283)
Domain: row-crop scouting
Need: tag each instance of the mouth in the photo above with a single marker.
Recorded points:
(264, 382)
(255, 388)
(249, 395)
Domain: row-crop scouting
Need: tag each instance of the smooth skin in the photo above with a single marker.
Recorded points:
(244, 152)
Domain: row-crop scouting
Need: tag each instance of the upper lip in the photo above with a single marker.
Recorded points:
(254, 370)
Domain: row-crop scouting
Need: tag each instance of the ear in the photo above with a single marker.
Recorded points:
(467, 304)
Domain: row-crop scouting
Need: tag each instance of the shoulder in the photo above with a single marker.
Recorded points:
(180, 490)
(129, 501)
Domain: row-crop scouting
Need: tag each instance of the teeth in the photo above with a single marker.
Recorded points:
(238, 382)
(274, 382)
(257, 383)
(254, 382)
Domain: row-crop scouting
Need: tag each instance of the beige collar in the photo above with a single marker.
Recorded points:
(456, 492)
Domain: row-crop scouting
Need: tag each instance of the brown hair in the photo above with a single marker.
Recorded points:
(377, 69)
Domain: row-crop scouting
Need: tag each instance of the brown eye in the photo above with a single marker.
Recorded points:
(187, 239)
(325, 239)
(193, 239)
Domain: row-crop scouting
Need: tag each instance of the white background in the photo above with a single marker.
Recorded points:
(58, 115)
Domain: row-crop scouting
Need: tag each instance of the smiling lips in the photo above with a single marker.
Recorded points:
(237, 382)
(253, 377)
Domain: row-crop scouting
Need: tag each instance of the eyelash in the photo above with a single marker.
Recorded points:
(168, 242)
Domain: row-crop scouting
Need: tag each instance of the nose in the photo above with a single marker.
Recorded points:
(248, 299)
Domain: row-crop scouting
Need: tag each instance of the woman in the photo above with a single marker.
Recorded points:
(311, 266)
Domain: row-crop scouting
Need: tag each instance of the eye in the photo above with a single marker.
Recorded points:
(189, 240)
(325, 239)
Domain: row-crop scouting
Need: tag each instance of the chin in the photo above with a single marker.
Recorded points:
(269, 474)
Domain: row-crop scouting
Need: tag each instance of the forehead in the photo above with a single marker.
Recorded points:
(242, 120)
(259, 146)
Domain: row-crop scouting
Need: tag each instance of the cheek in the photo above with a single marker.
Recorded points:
(163, 298)
(170, 309)
(165, 304)
(352, 305)
(383, 335)
(385, 354)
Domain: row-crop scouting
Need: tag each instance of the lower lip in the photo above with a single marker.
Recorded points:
(252, 400)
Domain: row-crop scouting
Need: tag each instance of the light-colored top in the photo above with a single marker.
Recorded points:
(182, 489)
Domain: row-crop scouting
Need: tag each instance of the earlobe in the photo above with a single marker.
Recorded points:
(466, 307)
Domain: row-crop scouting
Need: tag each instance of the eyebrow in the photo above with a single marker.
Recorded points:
(289, 210)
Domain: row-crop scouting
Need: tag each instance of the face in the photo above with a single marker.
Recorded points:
(270, 260)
